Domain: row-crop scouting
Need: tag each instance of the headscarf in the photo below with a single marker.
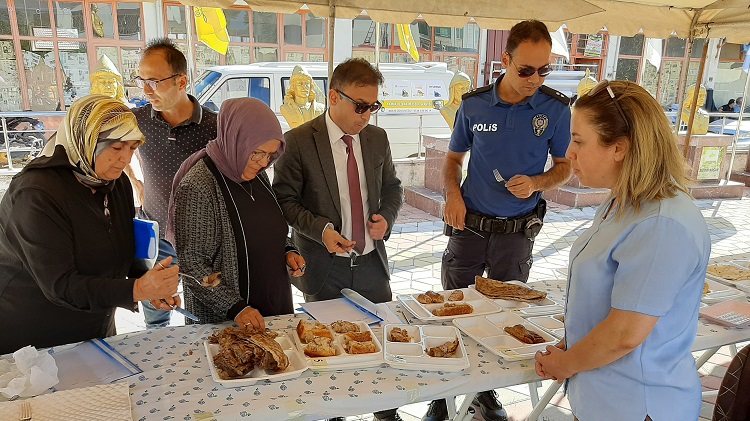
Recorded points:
(242, 126)
(91, 120)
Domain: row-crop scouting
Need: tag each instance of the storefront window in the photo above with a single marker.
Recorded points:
(627, 69)
(129, 21)
(676, 47)
(294, 56)
(131, 56)
(266, 54)
(669, 85)
(205, 57)
(176, 25)
(315, 57)
(102, 20)
(238, 55)
(315, 31)
(363, 33)
(41, 79)
(293, 29)
(33, 18)
(238, 25)
(10, 86)
(422, 34)
(75, 71)
(69, 16)
(464, 39)
(631, 46)
(650, 78)
(4, 20)
(698, 48)
(265, 30)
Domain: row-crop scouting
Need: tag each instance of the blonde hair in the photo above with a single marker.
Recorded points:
(653, 168)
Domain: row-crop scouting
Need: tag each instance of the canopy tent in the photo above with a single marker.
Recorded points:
(728, 19)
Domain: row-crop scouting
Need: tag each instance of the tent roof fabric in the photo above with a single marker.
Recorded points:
(656, 18)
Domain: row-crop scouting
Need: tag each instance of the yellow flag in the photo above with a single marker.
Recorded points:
(406, 40)
(211, 26)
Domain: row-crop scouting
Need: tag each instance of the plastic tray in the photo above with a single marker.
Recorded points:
(540, 308)
(550, 324)
(342, 360)
(480, 303)
(488, 331)
(413, 355)
(743, 284)
(719, 292)
(297, 365)
(741, 310)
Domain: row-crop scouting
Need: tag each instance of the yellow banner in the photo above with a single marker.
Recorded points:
(406, 41)
(211, 26)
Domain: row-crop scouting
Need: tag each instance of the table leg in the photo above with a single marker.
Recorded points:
(538, 408)
(705, 357)
(462, 412)
(534, 393)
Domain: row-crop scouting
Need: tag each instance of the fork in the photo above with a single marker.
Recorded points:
(25, 411)
(734, 318)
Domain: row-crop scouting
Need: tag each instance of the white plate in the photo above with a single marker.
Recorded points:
(488, 331)
(720, 292)
(343, 360)
(297, 365)
(412, 355)
(550, 324)
(480, 303)
(740, 284)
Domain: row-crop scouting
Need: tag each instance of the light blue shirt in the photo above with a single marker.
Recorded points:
(651, 262)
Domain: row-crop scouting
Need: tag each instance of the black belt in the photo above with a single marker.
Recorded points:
(497, 224)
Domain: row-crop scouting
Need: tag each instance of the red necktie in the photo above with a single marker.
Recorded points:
(355, 196)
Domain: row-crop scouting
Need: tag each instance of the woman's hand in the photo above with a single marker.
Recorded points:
(249, 319)
(296, 264)
(551, 364)
(159, 282)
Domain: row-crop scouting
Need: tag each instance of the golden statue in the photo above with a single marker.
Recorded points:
(586, 84)
(300, 105)
(460, 84)
(700, 122)
(106, 80)
(96, 21)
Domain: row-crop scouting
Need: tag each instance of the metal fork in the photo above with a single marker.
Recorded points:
(25, 411)
(734, 318)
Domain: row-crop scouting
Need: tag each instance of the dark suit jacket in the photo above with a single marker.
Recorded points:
(307, 190)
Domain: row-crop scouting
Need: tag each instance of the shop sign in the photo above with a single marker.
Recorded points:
(709, 167)
(594, 45)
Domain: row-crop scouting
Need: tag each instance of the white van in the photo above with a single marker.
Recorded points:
(412, 95)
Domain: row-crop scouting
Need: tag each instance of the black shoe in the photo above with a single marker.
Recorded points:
(337, 419)
(438, 411)
(489, 406)
(394, 417)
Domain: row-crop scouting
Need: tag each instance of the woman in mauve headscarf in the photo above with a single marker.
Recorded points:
(224, 218)
(66, 234)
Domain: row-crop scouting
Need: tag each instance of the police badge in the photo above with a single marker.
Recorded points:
(539, 124)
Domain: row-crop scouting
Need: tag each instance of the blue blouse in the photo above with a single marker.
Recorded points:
(651, 262)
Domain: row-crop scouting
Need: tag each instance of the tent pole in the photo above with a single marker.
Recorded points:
(331, 27)
(736, 136)
(696, 91)
(190, 45)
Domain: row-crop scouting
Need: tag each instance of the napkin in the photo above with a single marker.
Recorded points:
(109, 402)
(30, 373)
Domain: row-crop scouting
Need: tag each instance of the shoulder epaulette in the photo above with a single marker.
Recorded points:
(481, 90)
(555, 94)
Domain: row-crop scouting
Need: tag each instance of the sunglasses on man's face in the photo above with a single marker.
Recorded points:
(528, 71)
(361, 108)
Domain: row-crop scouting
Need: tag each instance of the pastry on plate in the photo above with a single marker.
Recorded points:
(503, 290)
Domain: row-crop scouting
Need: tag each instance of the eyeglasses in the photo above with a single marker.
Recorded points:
(258, 155)
(140, 82)
(604, 85)
(360, 108)
(528, 71)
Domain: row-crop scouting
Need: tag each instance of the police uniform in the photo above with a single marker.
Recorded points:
(505, 140)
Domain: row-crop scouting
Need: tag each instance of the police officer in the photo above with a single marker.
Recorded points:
(510, 128)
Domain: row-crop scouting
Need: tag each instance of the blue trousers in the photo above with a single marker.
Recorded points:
(154, 317)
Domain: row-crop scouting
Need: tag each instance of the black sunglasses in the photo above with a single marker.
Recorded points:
(528, 71)
(604, 86)
(360, 108)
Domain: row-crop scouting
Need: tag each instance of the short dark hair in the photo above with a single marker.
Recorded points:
(357, 71)
(731, 101)
(172, 54)
(527, 30)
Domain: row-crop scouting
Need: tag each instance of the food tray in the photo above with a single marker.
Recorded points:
(719, 292)
(342, 360)
(413, 355)
(743, 283)
(740, 312)
(550, 324)
(488, 331)
(297, 365)
(540, 308)
(480, 303)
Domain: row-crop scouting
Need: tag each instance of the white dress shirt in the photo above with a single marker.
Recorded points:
(338, 147)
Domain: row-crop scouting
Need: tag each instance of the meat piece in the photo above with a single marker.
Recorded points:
(524, 335)
(503, 290)
(309, 330)
(456, 295)
(430, 297)
(445, 350)
(358, 336)
(320, 347)
(355, 347)
(242, 350)
(274, 357)
(453, 309)
(344, 327)
(399, 335)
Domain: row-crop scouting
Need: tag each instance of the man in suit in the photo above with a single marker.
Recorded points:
(340, 226)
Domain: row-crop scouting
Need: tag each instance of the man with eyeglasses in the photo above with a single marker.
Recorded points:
(510, 127)
(337, 187)
(175, 126)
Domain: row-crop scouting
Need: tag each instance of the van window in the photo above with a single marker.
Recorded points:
(241, 87)
(205, 81)
(321, 91)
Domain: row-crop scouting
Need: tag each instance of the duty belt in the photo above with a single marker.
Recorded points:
(496, 224)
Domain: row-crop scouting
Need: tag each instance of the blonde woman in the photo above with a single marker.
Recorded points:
(636, 276)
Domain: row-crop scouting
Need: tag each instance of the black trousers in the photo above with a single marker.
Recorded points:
(504, 256)
(367, 277)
